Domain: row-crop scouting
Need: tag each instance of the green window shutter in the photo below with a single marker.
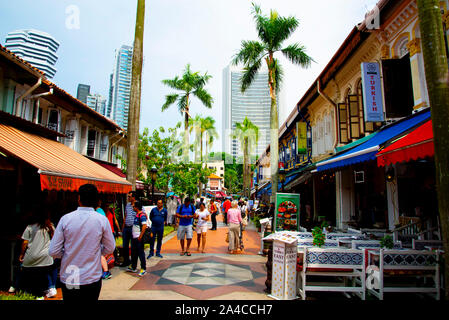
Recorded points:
(354, 116)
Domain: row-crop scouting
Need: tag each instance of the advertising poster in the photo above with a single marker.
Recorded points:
(286, 214)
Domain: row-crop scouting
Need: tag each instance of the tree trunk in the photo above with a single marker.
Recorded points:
(245, 166)
(274, 131)
(134, 106)
(186, 148)
(437, 78)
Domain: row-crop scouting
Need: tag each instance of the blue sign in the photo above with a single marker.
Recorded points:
(372, 92)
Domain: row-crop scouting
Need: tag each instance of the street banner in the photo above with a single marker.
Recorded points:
(286, 215)
(372, 92)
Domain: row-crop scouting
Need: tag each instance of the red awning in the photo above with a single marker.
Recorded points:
(139, 184)
(60, 167)
(417, 144)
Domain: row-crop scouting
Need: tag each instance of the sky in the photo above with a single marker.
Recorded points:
(204, 33)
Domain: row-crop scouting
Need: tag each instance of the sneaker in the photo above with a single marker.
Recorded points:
(130, 269)
(40, 298)
(12, 289)
(159, 255)
(142, 273)
(51, 292)
(150, 255)
(106, 275)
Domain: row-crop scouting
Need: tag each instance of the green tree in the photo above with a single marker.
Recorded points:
(437, 78)
(134, 105)
(190, 84)
(272, 31)
(248, 135)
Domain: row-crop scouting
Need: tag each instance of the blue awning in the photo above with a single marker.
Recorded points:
(267, 188)
(367, 150)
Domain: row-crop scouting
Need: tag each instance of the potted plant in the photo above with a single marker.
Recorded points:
(387, 242)
(318, 237)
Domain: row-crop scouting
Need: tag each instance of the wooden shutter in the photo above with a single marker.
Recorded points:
(354, 116)
(343, 122)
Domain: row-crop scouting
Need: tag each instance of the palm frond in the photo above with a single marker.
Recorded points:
(169, 100)
(283, 28)
(278, 75)
(250, 52)
(173, 83)
(248, 75)
(182, 103)
(262, 24)
(297, 55)
(204, 97)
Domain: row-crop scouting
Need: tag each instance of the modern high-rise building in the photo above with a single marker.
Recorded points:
(97, 102)
(111, 94)
(255, 104)
(36, 47)
(121, 86)
(82, 92)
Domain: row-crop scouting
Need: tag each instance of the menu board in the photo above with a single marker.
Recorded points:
(287, 212)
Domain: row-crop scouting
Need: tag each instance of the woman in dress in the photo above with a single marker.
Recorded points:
(202, 214)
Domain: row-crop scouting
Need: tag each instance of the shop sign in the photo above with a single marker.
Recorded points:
(286, 216)
(372, 92)
(50, 182)
(301, 129)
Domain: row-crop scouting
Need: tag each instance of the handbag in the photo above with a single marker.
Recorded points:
(110, 260)
(227, 237)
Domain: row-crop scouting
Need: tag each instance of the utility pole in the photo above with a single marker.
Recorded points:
(437, 77)
(134, 105)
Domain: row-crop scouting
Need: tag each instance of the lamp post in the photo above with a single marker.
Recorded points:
(153, 180)
(282, 176)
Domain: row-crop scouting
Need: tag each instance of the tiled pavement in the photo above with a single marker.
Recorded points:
(211, 275)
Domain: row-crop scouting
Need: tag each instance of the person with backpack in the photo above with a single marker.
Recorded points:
(137, 244)
(244, 211)
(185, 214)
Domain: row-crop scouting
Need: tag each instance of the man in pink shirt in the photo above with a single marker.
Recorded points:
(234, 217)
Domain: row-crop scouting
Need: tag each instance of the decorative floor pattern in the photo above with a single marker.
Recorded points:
(204, 278)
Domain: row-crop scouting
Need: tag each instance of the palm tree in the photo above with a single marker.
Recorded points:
(134, 106)
(437, 78)
(191, 83)
(272, 31)
(248, 135)
(210, 133)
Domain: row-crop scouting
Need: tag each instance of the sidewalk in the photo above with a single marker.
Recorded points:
(211, 275)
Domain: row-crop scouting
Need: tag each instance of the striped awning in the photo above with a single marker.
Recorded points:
(60, 167)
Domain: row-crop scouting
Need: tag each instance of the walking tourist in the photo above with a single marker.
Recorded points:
(137, 245)
(234, 219)
(158, 217)
(202, 214)
(213, 210)
(244, 211)
(104, 263)
(186, 212)
(80, 239)
(172, 205)
(127, 227)
(226, 206)
(115, 226)
(34, 256)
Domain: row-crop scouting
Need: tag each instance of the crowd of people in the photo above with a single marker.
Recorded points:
(82, 247)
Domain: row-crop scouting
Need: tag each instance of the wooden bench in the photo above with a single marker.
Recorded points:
(409, 265)
(338, 263)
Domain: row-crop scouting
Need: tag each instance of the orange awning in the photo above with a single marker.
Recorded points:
(60, 167)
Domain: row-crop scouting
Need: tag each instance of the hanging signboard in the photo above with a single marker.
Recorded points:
(372, 92)
(301, 129)
(286, 216)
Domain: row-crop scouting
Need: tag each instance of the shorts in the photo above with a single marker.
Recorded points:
(185, 231)
(201, 229)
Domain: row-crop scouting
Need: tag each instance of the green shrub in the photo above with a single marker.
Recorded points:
(18, 296)
(387, 242)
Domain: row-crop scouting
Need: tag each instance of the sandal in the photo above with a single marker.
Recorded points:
(182, 253)
(187, 254)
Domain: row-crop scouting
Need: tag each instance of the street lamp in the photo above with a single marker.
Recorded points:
(282, 177)
(153, 173)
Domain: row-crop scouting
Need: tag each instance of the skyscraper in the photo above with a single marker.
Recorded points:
(97, 102)
(255, 104)
(36, 47)
(82, 92)
(121, 86)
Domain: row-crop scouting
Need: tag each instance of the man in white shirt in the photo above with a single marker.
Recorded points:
(80, 239)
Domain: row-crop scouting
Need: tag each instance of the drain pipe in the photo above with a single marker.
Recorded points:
(19, 100)
(110, 148)
(41, 94)
(326, 97)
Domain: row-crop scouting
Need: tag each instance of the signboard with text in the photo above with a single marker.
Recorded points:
(372, 92)
(286, 216)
